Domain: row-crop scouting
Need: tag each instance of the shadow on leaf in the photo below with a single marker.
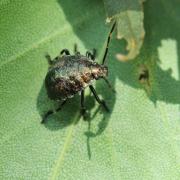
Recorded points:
(161, 85)
(88, 26)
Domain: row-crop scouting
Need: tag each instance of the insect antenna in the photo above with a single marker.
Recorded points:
(107, 45)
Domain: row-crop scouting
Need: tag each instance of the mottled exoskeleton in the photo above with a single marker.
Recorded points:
(71, 74)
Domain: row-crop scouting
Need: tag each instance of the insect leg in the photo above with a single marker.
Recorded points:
(76, 49)
(61, 105)
(101, 102)
(94, 54)
(52, 112)
(48, 57)
(91, 55)
(66, 51)
(109, 84)
(88, 54)
(83, 109)
(107, 45)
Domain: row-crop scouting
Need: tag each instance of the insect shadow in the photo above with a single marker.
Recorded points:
(57, 120)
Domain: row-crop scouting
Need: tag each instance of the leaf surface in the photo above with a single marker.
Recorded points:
(138, 139)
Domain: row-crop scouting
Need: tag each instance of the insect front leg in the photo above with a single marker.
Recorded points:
(101, 102)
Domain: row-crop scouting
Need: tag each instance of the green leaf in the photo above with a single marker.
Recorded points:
(129, 16)
(138, 139)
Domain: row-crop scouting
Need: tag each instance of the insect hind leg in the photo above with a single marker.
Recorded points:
(76, 49)
(66, 51)
(94, 53)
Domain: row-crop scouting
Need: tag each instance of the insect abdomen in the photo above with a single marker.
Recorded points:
(65, 81)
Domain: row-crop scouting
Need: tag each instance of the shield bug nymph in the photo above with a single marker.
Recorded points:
(71, 74)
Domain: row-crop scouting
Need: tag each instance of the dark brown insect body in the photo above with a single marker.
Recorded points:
(72, 74)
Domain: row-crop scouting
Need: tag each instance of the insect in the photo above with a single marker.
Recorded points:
(71, 74)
